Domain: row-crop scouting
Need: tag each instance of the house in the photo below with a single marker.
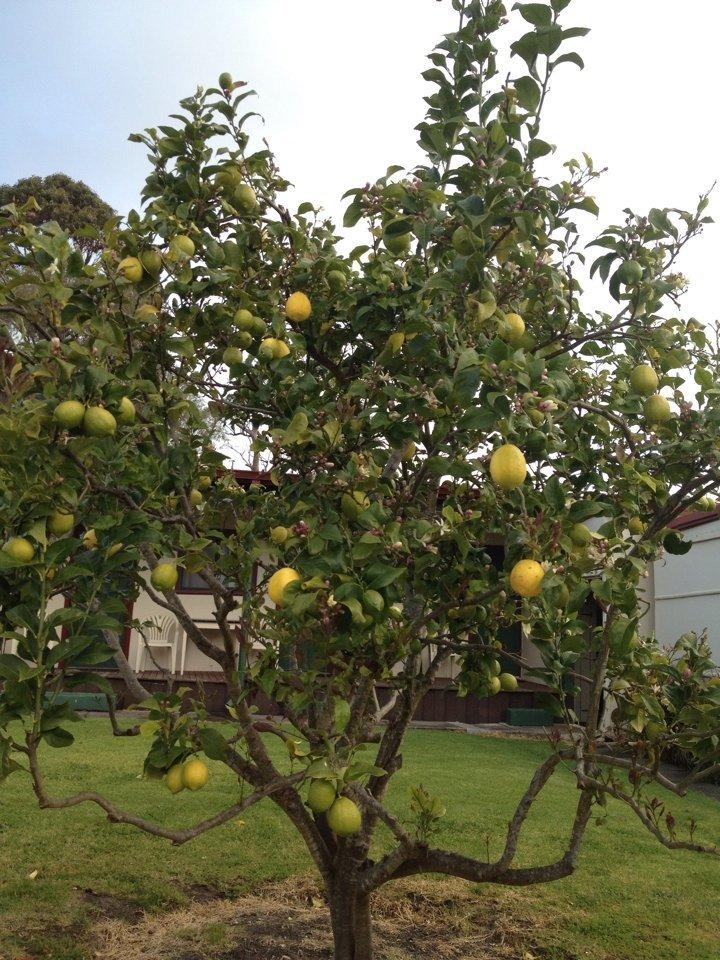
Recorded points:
(166, 650)
(683, 591)
(160, 651)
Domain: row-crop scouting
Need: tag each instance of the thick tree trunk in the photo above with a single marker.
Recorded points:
(363, 928)
(351, 924)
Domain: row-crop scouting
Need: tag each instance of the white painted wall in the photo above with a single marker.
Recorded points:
(686, 590)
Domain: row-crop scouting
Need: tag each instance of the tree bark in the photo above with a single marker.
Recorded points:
(135, 688)
(351, 922)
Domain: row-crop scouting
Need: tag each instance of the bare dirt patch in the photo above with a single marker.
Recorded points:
(108, 905)
(442, 920)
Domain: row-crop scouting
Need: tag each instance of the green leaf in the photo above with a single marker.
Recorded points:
(539, 148)
(380, 575)
(583, 510)
(341, 715)
(58, 737)
(356, 610)
(213, 743)
(528, 93)
(538, 14)
(570, 58)
(676, 545)
(554, 494)
(352, 214)
(11, 666)
(467, 358)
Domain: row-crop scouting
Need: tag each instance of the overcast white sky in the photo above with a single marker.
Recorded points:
(340, 90)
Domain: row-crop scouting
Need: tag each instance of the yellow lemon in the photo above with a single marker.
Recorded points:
(526, 577)
(279, 535)
(146, 312)
(195, 498)
(395, 342)
(298, 307)
(164, 576)
(90, 540)
(513, 328)
(273, 349)
(279, 582)
(636, 526)
(195, 774)
(174, 779)
(131, 269)
(19, 549)
(508, 467)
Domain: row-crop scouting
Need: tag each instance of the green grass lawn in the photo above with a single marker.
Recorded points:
(630, 897)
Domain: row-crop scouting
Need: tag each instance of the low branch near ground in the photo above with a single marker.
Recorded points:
(116, 815)
(412, 858)
(117, 730)
(667, 841)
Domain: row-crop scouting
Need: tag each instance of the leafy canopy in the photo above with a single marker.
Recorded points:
(456, 329)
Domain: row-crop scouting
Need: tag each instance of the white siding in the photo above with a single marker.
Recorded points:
(687, 589)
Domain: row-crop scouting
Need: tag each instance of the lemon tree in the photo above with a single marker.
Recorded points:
(436, 389)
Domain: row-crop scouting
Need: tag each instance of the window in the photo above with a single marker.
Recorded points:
(194, 583)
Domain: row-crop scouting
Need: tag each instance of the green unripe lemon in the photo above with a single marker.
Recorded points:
(59, 523)
(321, 796)
(644, 380)
(337, 281)
(657, 409)
(151, 261)
(580, 534)
(344, 817)
(397, 243)
(232, 355)
(99, 422)
(630, 272)
(126, 412)
(69, 414)
(463, 241)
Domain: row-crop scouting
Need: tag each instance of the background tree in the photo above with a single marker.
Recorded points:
(70, 203)
(439, 385)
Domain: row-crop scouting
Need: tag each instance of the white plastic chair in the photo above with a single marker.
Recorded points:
(162, 634)
(8, 645)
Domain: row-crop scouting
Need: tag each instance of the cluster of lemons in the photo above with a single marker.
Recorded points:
(191, 775)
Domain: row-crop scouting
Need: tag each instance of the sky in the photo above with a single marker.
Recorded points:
(340, 90)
